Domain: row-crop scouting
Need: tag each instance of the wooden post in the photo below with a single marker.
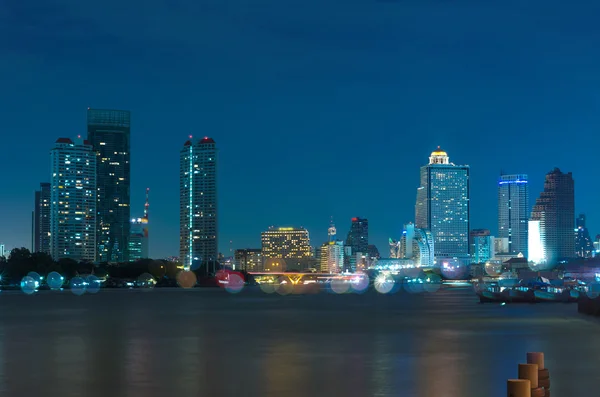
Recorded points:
(518, 388)
(536, 358)
(529, 372)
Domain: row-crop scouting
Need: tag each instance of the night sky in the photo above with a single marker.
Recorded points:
(319, 108)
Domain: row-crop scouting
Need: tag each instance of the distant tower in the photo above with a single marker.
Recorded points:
(138, 240)
(513, 212)
(442, 205)
(41, 222)
(198, 202)
(331, 232)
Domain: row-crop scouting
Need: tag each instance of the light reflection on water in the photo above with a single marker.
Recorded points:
(207, 342)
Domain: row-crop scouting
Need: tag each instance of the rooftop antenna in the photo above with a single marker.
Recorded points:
(147, 205)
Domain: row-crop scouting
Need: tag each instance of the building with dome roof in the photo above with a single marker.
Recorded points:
(442, 206)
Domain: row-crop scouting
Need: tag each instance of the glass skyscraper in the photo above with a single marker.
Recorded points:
(358, 236)
(513, 212)
(198, 203)
(73, 200)
(109, 134)
(41, 221)
(552, 223)
(442, 206)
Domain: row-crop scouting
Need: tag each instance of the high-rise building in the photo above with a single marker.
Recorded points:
(198, 202)
(358, 236)
(513, 212)
(584, 246)
(553, 220)
(73, 200)
(287, 243)
(417, 245)
(3, 252)
(332, 257)
(109, 134)
(248, 259)
(138, 240)
(442, 205)
(41, 219)
(482, 245)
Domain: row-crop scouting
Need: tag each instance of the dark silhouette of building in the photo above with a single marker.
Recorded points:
(583, 242)
(358, 236)
(553, 220)
(109, 134)
(41, 219)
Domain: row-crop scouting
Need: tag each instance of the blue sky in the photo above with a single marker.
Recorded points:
(319, 108)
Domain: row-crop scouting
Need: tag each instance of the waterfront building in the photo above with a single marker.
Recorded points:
(248, 259)
(442, 205)
(583, 242)
(417, 245)
(109, 134)
(552, 222)
(291, 246)
(198, 231)
(513, 212)
(73, 200)
(41, 219)
(482, 245)
(332, 257)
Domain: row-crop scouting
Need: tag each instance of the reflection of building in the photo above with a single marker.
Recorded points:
(248, 259)
(442, 205)
(513, 212)
(73, 200)
(138, 241)
(417, 245)
(583, 243)
(553, 220)
(109, 134)
(41, 221)
(288, 243)
(482, 245)
(198, 202)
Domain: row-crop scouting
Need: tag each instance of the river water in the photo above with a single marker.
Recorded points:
(206, 342)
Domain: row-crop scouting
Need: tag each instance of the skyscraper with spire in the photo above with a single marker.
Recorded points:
(442, 205)
(138, 241)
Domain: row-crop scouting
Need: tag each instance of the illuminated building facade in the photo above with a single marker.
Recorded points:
(552, 222)
(583, 242)
(248, 259)
(416, 245)
(41, 221)
(482, 245)
(109, 134)
(198, 202)
(73, 200)
(287, 243)
(139, 238)
(442, 205)
(332, 257)
(513, 212)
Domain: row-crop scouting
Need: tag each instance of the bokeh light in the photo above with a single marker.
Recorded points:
(146, 281)
(384, 283)
(267, 288)
(29, 285)
(493, 268)
(235, 283)
(283, 286)
(55, 281)
(360, 284)
(186, 279)
(452, 268)
(93, 284)
(36, 276)
(432, 283)
(339, 286)
(77, 285)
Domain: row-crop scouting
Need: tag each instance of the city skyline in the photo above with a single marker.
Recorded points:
(351, 119)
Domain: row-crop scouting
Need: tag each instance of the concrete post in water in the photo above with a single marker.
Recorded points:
(536, 358)
(518, 388)
(529, 372)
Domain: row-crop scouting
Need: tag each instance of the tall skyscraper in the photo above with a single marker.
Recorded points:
(73, 200)
(513, 212)
(109, 134)
(198, 230)
(584, 246)
(552, 222)
(41, 219)
(138, 241)
(443, 205)
(358, 236)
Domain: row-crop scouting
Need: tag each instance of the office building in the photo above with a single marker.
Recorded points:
(584, 246)
(41, 219)
(198, 231)
(109, 134)
(73, 200)
(513, 212)
(332, 257)
(248, 259)
(552, 222)
(442, 205)
(290, 244)
(416, 245)
(482, 245)
(358, 236)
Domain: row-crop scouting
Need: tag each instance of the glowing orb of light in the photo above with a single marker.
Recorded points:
(235, 284)
(77, 286)
(360, 284)
(146, 281)
(93, 284)
(432, 283)
(186, 279)
(339, 286)
(384, 284)
(29, 285)
(493, 268)
(55, 280)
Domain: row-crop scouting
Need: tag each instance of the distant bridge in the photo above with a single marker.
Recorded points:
(303, 278)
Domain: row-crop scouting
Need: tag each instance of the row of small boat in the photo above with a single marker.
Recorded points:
(527, 292)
